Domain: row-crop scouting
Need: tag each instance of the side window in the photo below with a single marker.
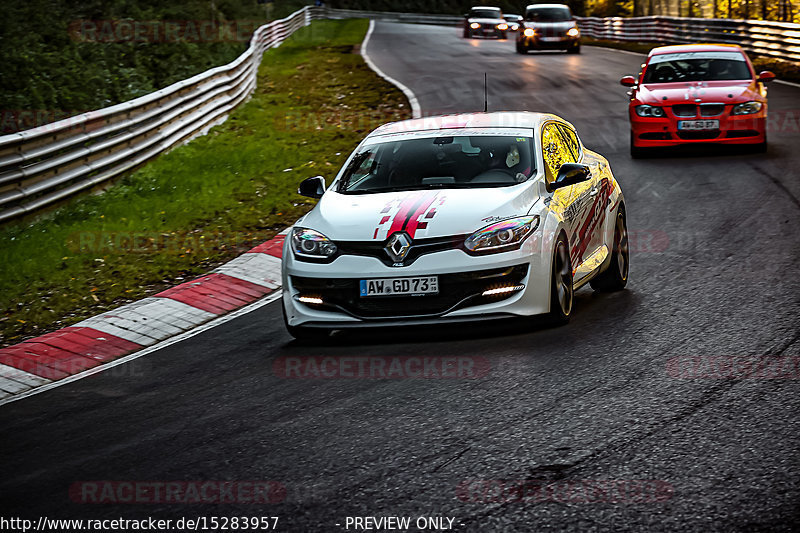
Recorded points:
(554, 150)
(571, 139)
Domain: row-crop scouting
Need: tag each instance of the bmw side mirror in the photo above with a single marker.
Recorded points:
(570, 174)
(766, 76)
(312, 187)
(628, 81)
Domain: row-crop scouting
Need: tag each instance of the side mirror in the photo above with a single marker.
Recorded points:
(312, 187)
(570, 174)
(766, 76)
(628, 81)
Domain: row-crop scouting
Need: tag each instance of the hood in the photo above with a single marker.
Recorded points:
(728, 92)
(487, 21)
(552, 26)
(421, 214)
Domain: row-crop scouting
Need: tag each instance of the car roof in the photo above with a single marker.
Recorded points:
(705, 47)
(531, 6)
(498, 119)
(485, 7)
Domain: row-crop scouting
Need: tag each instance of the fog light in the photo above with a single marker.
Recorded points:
(310, 300)
(503, 290)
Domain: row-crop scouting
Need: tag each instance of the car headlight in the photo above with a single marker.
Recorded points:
(310, 244)
(649, 111)
(528, 32)
(502, 236)
(502, 26)
(573, 32)
(747, 108)
(474, 25)
(514, 27)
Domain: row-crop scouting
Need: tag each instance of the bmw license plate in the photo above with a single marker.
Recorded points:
(698, 125)
(400, 286)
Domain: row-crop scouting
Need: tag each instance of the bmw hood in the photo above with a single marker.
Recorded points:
(487, 21)
(556, 27)
(728, 92)
(421, 214)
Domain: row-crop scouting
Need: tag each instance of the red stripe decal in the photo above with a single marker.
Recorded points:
(413, 222)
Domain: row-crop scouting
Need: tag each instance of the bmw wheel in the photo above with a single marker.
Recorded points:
(521, 48)
(615, 277)
(637, 152)
(561, 290)
(576, 49)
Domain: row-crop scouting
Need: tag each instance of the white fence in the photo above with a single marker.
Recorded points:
(779, 40)
(41, 166)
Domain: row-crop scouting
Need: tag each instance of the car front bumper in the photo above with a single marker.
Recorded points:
(462, 279)
(663, 131)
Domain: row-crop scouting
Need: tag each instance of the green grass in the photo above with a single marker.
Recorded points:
(205, 202)
(784, 70)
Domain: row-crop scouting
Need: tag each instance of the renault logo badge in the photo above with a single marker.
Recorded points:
(397, 247)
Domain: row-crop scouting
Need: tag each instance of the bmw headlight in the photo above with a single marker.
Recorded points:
(474, 25)
(573, 32)
(502, 26)
(649, 111)
(747, 108)
(310, 244)
(502, 236)
(528, 32)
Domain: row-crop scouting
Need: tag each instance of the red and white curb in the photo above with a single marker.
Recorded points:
(43, 361)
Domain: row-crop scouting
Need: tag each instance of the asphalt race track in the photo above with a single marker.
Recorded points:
(715, 255)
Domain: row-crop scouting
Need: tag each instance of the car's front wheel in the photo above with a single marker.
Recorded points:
(561, 289)
(521, 48)
(638, 152)
(615, 277)
(576, 49)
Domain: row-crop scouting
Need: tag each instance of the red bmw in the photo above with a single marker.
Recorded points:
(697, 93)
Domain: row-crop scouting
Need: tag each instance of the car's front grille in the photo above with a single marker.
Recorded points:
(655, 135)
(684, 110)
(712, 110)
(698, 135)
(418, 248)
(457, 290)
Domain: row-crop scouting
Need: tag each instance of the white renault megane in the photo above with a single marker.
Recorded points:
(462, 217)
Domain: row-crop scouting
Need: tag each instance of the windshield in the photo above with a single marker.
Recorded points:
(694, 66)
(548, 14)
(445, 162)
(486, 14)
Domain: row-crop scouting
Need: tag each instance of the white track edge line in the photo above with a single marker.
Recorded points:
(416, 111)
(150, 349)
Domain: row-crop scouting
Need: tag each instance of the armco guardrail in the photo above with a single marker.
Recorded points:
(779, 40)
(43, 165)
(46, 164)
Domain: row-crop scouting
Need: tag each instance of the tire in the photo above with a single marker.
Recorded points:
(521, 48)
(502, 36)
(305, 335)
(561, 289)
(760, 148)
(574, 50)
(615, 277)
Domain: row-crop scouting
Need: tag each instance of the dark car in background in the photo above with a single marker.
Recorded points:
(549, 27)
(485, 21)
(514, 22)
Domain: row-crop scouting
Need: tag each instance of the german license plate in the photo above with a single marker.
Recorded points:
(698, 125)
(399, 286)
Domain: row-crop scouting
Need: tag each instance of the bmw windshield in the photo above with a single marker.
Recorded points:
(485, 14)
(697, 66)
(549, 14)
(464, 162)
